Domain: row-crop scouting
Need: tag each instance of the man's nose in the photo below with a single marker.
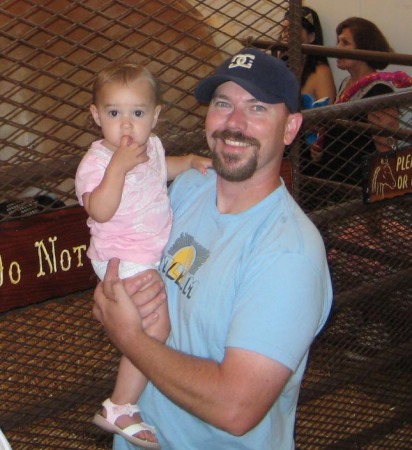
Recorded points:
(236, 120)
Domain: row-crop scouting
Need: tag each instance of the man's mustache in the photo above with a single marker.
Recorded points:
(237, 136)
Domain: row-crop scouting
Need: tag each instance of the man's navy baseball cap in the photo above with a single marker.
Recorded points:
(267, 78)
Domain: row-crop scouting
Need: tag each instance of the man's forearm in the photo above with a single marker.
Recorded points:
(219, 394)
(194, 384)
(233, 395)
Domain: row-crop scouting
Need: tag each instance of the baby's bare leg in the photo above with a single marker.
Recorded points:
(130, 382)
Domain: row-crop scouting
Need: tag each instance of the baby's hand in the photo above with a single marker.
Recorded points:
(129, 154)
(201, 163)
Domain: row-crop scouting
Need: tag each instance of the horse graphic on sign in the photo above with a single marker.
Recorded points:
(383, 178)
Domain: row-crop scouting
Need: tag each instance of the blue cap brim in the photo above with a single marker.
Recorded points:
(206, 88)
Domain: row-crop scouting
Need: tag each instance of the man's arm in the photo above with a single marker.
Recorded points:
(233, 395)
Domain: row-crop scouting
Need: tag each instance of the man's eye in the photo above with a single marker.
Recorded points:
(259, 108)
(113, 113)
(222, 104)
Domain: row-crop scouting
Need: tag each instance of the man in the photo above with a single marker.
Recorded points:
(246, 276)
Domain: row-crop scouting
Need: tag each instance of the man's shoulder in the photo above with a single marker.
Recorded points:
(297, 226)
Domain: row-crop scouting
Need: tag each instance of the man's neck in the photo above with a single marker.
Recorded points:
(236, 197)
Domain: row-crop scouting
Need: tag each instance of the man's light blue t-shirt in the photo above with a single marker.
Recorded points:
(257, 280)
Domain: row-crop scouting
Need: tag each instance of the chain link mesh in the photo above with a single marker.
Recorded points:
(56, 364)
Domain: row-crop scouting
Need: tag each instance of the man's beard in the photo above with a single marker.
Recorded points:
(226, 165)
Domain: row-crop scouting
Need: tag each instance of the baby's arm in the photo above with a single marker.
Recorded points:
(102, 203)
(178, 164)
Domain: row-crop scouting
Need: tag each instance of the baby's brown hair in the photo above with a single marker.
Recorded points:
(125, 72)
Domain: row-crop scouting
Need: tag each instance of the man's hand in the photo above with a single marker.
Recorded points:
(145, 292)
(119, 315)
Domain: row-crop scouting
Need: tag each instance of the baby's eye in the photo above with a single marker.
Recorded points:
(113, 113)
(138, 113)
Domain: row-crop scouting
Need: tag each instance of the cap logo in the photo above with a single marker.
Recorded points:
(242, 60)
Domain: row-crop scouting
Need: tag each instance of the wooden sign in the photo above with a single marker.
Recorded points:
(44, 256)
(387, 175)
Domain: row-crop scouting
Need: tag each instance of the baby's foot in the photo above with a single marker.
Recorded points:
(126, 421)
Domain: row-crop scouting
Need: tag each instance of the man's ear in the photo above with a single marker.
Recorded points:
(95, 114)
(293, 124)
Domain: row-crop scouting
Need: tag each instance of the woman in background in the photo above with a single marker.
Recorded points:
(340, 150)
(316, 77)
(316, 82)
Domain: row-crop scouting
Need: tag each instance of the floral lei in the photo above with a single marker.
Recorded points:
(399, 79)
